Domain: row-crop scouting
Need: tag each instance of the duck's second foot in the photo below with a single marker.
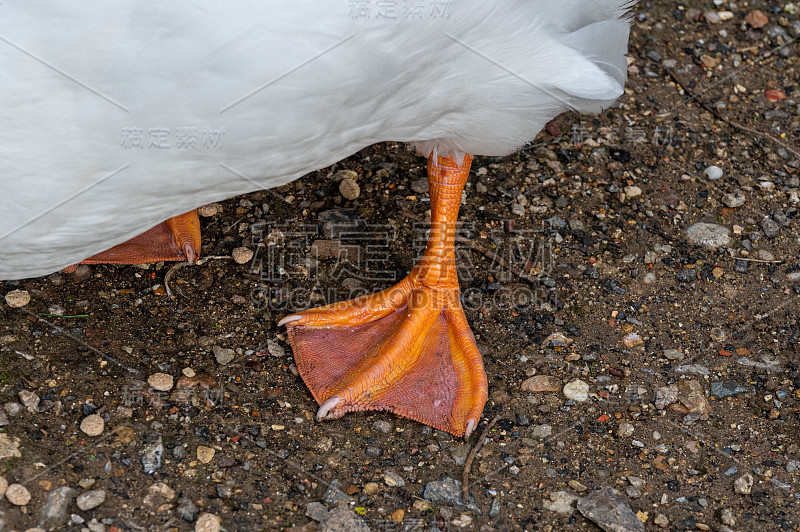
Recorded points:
(176, 239)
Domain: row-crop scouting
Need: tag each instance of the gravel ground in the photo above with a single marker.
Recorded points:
(631, 278)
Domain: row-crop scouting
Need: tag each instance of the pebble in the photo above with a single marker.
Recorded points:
(726, 516)
(4, 485)
(610, 511)
(207, 523)
(54, 512)
(541, 383)
(542, 431)
(744, 484)
(770, 227)
(460, 452)
(734, 199)
(29, 400)
(205, 454)
(93, 425)
(335, 495)
(711, 236)
(625, 430)
(393, 479)
(673, 354)
(445, 491)
(18, 494)
(633, 191)
(661, 521)
(161, 381)
(90, 499)
(561, 502)
(18, 298)
(382, 426)
(151, 453)
(726, 388)
(242, 255)
(9, 446)
(275, 349)
(632, 340)
(341, 519)
(756, 19)
(223, 356)
(577, 390)
(186, 509)
(349, 188)
(316, 511)
(207, 211)
(713, 172)
(665, 396)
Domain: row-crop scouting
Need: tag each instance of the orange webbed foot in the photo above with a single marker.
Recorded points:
(407, 349)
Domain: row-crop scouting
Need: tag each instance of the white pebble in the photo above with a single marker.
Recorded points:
(713, 172)
(90, 499)
(207, 523)
(18, 298)
(160, 381)
(577, 390)
(18, 494)
(242, 255)
(93, 425)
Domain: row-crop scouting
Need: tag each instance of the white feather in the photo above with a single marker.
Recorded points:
(272, 90)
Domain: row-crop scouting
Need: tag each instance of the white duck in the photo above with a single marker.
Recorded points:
(116, 116)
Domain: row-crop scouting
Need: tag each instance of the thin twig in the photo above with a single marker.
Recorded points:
(758, 260)
(169, 275)
(677, 79)
(471, 457)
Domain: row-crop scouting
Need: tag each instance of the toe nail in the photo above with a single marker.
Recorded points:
(470, 428)
(289, 319)
(326, 407)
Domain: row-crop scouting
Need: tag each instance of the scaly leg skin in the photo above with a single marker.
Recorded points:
(407, 349)
(177, 239)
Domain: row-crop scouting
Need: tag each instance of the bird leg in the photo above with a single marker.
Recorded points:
(409, 348)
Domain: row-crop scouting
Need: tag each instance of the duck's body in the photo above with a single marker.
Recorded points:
(118, 115)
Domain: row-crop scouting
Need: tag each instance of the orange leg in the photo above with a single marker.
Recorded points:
(178, 238)
(407, 349)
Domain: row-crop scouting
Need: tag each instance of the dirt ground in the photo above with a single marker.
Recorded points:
(687, 341)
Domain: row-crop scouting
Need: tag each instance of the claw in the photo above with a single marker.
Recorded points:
(471, 424)
(326, 407)
(289, 319)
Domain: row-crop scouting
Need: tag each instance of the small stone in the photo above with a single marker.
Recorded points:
(382, 426)
(691, 399)
(207, 211)
(316, 511)
(625, 430)
(18, 494)
(734, 199)
(542, 431)
(3, 486)
(349, 188)
(18, 298)
(632, 340)
(744, 484)
(632, 191)
(275, 349)
(560, 502)
(393, 479)
(29, 400)
(577, 486)
(661, 521)
(577, 390)
(460, 452)
(90, 499)
(9, 446)
(205, 454)
(371, 488)
(151, 452)
(673, 354)
(186, 509)
(770, 227)
(242, 255)
(713, 172)
(342, 519)
(541, 383)
(726, 516)
(718, 334)
(610, 511)
(223, 356)
(208, 523)
(93, 425)
(445, 491)
(756, 19)
(53, 515)
(665, 396)
(160, 381)
(711, 236)
(462, 521)
(335, 495)
(726, 388)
